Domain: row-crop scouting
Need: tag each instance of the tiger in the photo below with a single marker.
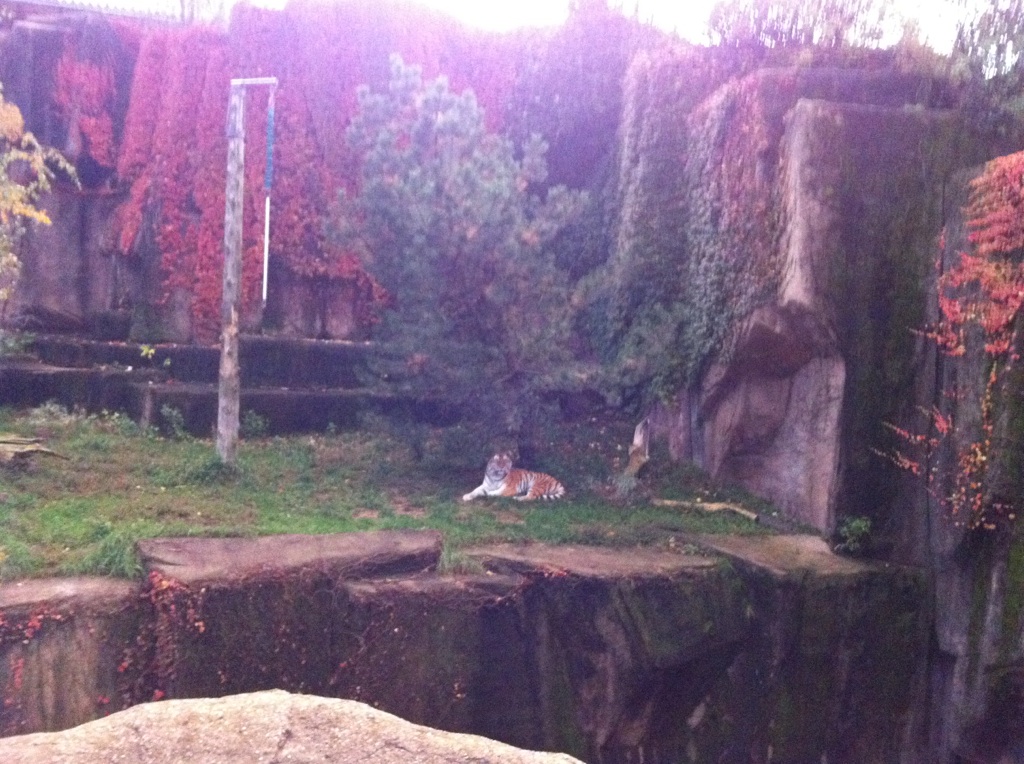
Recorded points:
(523, 485)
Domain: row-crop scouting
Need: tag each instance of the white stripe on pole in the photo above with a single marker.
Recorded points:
(266, 245)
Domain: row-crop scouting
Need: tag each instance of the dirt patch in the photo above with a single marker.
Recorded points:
(405, 508)
(416, 512)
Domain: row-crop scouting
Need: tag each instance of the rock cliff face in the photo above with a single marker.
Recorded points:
(973, 710)
(849, 189)
(785, 652)
(820, 297)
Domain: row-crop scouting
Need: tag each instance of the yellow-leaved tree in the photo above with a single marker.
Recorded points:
(27, 169)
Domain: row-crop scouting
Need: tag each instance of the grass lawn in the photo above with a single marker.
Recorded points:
(113, 483)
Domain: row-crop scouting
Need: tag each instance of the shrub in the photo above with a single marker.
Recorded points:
(854, 533)
(175, 422)
(254, 425)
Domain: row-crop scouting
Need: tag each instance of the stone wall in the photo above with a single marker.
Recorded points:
(973, 710)
(62, 643)
(612, 656)
(72, 280)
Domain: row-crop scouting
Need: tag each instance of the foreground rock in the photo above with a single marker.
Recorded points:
(272, 726)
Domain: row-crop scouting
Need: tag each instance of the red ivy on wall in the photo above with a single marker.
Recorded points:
(208, 192)
(137, 140)
(174, 159)
(173, 153)
(980, 297)
(169, 152)
(986, 287)
(985, 290)
(83, 94)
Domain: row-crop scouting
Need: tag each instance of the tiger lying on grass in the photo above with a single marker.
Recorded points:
(501, 480)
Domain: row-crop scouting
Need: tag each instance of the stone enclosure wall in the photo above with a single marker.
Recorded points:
(162, 91)
(786, 654)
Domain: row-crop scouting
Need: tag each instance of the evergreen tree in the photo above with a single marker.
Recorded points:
(454, 226)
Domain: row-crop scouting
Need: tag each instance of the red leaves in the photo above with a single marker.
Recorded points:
(173, 153)
(996, 207)
(986, 286)
(176, 611)
(984, 290)
(141, 120)
(84, 93)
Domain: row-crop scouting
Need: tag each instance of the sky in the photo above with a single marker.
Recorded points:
(507, 14)
(503, 15)
(688, 18)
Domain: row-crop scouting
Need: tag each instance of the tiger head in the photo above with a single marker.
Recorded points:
(499, 466)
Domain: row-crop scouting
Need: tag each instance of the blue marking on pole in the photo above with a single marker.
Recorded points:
(268, 174)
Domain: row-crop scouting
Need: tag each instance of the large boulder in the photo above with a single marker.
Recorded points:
(270, 726)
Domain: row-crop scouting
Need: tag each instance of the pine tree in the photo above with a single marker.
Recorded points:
(454, 226)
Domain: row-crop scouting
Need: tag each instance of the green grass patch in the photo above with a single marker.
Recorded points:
(118, 483)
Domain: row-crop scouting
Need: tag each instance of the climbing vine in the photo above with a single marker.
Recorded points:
(23, 629)
(172, 159)
(980, 300)
(986, 286)
(980, 320)
(698, 223)
(172, 610)
(173, 155)
(172, 163)
(84, 94)
(206, 278)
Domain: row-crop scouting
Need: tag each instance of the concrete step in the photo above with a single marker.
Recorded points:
(143, 393)
(285, 410)
(264, 361)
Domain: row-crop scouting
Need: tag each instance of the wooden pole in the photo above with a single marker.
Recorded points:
(229, 388)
